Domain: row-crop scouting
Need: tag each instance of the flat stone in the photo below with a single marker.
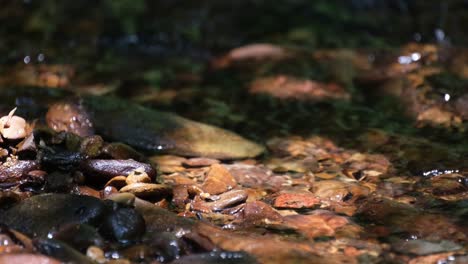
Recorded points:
(107, 169)
(218, 180)
(38, 215)
(296, 201)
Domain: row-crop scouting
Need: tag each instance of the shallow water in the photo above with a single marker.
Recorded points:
(364, 121)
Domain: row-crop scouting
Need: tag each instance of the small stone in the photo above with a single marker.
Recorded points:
(117, 182)
(218, 180)
(147, 190)
(13, 170)
(125, 224)
(138, 176)
(91, 146)
(21, 258)
(111, 168)
(224, 200)
(199, 162)
(13, 127)
(168, 163)
(260, 213)
(118, 150)
(96, 254)
(296, 201)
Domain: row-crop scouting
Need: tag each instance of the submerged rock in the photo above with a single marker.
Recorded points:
(40, 214)
(149, 129)
(26, 258)
(215, 257)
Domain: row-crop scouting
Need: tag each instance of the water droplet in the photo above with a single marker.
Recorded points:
(27, 59)
(416, 56)
(439, 34)
(447, 97)
(404, 60)
(40, 57)
(417, 37)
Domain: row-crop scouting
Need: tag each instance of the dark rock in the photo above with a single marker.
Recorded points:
(111, 168)
(161, 220)
(148, 129)
(59, 158)
(58, 182)
(91, 146)
(61, 251)
(14, 171)
(40, 214)
(215, 257)
(79, 236)
(117, 150)
(167, 245)
(124, 225)
(70, 116)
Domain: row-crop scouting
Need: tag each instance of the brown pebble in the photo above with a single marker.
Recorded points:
(200, 162)
(296, 200)
(224, 200)
(13, 171)
(21, 258)
(218, 180)
(152, 190)
(259, 213)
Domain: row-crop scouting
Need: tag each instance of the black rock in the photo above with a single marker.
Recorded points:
(61, 251)
(40, 214)
(124, 225)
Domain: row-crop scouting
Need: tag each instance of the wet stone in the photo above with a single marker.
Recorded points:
(162, 132)
(423, 247)
(91, 146)
(147, 190)
(60, 251)
(199, 162)
(70, 116)
(168, 163)
(79, 236)
(296, 200)
(21, 258)
(138, 176)
(124, 225)
(223, 201)
(218, 180)
(106, 169)
(319, 224)
(260, 213)
(168, 246)
(13, 171)
(221, 257)
(40, 214)
(122, 151)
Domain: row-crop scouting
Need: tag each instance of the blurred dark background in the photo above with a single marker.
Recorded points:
(200, 28)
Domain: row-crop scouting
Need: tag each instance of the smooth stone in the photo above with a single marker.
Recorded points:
(124, 225)
(153, 190)
(218, 180)
(40, 214)
(79, 236)
(215, 257)
(423, 247)
(21, 258)
(161, 132)
(61, 251)
(161, 220)
(16, 170)
(108, 169)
